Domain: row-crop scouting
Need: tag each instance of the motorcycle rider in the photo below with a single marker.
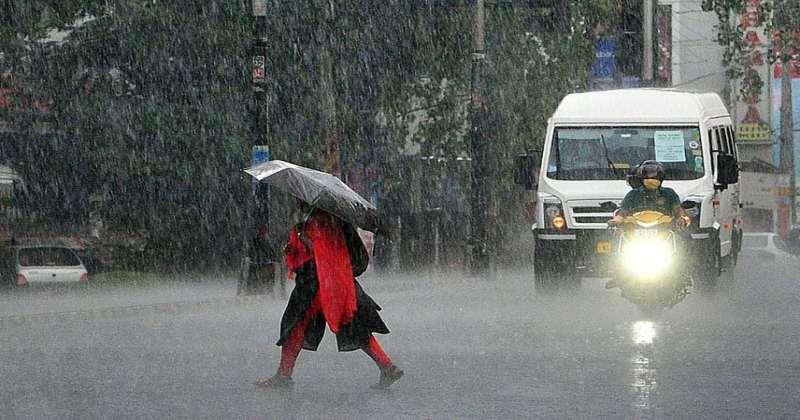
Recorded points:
(651, 195)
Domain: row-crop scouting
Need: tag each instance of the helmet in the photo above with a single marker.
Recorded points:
(651, 169)
(632, 177)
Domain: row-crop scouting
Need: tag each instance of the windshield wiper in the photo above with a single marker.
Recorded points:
(608, 158)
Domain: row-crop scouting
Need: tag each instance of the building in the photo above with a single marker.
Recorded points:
(686, 55)
(697, 64)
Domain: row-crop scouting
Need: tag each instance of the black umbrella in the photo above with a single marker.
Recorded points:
(319, 189)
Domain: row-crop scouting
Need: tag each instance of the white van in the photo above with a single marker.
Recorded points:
(594, 139)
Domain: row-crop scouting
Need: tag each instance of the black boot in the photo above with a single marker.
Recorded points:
(276, 381)
(388, 376)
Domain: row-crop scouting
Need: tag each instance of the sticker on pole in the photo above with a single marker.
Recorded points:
(669, 146)
(259, 7)
(259, 155)
(259, 69)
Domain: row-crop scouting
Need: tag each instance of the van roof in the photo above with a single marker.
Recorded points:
(641, 105)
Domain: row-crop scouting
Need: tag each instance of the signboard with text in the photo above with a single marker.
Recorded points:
(753, 105)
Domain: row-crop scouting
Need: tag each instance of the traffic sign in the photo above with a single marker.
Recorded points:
(259, 155)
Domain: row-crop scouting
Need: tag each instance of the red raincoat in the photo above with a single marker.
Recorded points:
(337, 291)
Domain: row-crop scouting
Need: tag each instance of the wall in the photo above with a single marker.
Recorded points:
(696, 56)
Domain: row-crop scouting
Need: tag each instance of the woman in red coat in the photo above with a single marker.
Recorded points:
(322, 252)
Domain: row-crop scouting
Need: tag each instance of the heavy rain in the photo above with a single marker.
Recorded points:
(551, 209)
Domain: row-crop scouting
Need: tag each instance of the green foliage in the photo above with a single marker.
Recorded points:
(151, 110)
(154, 110)
(32, 19)
(737, 54)
(775, 16)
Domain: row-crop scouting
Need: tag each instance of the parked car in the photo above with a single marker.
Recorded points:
(46, 264)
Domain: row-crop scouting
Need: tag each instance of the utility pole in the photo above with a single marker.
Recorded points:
(259, 54)
(787, 164)
(327, 91)
(647, 43)
(258, 132)
(480, 198)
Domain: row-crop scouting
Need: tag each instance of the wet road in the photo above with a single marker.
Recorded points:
(470, 349)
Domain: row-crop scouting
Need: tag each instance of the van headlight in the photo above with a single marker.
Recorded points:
(554, 215)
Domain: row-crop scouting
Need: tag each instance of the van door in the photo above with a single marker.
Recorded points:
(735, 191)
(723, 201)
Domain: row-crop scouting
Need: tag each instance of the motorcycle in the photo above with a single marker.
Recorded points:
(648, 268)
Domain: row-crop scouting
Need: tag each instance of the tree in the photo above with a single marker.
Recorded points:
(149, 98)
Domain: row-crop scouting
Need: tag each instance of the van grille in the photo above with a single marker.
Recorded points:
(590, 213)
(588, 210)
(593, 219)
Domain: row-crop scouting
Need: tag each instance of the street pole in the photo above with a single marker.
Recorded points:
(647, 43)
(787, 134)
(258, 133)
(787, 125)
(327, 95)
(480, 200)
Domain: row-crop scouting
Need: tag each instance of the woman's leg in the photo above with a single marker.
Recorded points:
(291, 348)
(389, 371)
(375, 351)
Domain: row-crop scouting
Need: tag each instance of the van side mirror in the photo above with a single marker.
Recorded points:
(526, 170)
(727, 170)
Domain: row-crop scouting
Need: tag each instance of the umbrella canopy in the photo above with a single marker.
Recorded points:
(319, 189)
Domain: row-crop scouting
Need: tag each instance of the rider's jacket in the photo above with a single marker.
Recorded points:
(663, 200)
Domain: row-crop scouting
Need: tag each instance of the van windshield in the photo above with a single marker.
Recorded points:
(609, 153)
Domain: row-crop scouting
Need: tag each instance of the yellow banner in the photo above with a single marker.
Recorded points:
(753, 132)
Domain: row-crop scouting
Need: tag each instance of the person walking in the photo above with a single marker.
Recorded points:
(325, 254)
(261, 270)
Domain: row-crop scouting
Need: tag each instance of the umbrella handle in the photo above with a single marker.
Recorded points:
(303, 219)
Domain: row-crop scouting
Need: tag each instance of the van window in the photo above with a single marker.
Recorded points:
(732, 142)
(719, 142)
(723, 139)
(608, 153)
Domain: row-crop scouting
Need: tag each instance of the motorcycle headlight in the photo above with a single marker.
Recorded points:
(647, 257)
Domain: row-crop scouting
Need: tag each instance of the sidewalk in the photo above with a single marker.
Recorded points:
(42, 301)
(49, 303)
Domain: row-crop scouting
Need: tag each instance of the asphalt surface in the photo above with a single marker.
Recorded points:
(471, 348)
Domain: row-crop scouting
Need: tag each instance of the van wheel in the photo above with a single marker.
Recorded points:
(543, 279)
(727, 268)
(551, 274)
(706, 275)
(733, 257)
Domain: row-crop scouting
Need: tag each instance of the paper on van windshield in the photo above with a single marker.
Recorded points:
(669, 146)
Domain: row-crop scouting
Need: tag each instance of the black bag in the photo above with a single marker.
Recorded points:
(359, 257)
